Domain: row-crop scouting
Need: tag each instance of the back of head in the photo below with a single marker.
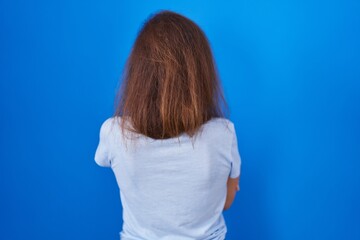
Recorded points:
(170, 83)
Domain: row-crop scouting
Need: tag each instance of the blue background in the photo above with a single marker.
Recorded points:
(290, 72)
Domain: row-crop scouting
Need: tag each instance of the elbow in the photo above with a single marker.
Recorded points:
(230, 199)
(228, 204)
(226, 207)
(232, 188)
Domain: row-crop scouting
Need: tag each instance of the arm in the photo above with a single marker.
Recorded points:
(232, 188)
(102, 154)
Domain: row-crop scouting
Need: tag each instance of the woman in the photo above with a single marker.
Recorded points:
(173, 153)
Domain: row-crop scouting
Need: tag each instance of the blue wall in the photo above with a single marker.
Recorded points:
(291, 75)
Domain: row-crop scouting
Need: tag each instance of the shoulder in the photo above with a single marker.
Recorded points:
(223, 124)
(107, 125)
(218, 128)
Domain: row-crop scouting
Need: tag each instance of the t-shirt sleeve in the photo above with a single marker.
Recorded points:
(235, 156)
(102, 154)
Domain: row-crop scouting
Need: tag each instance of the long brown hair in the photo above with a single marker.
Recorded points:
(170, 81)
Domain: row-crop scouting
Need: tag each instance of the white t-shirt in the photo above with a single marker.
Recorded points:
(172, 189)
